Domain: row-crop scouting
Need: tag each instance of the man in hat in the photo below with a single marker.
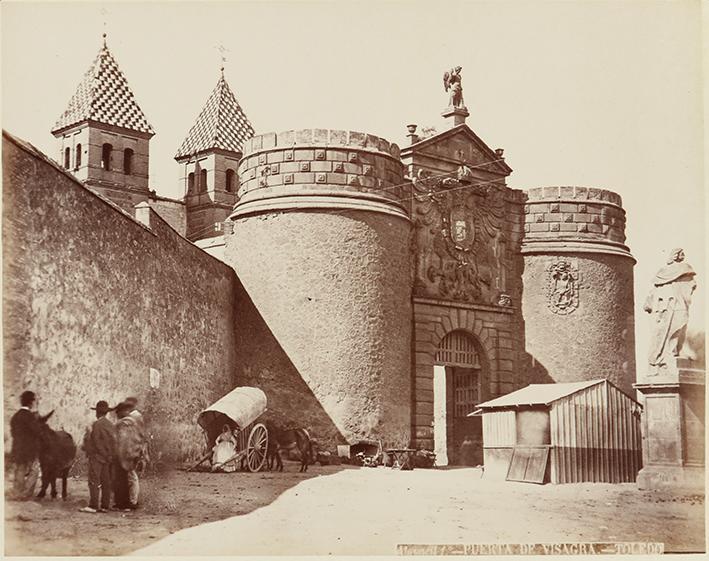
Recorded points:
(24, 427)
(133, 482)
(129, 446)
(100, 447)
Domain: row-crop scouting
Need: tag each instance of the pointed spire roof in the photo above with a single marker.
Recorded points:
(105, 97)
(222, 124)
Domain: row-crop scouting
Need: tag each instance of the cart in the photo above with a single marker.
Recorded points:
(240, 409)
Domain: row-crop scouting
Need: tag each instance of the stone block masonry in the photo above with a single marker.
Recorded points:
(354, 162)
(94, 299)
(496, 332)
(555, 213)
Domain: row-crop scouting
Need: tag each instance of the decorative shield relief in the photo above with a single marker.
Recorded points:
(462, 228)
(563, 287)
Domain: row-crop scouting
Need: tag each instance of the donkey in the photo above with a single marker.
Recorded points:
(55, 457)
(279, 438)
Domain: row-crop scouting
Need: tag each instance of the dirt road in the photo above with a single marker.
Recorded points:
(357, 511)
(170, 502)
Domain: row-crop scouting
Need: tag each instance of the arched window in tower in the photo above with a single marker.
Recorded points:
(230, 180)
(127, 161)
(203, 181)
(77, 159)
(106, 157)
(190, 182)
(67, 157)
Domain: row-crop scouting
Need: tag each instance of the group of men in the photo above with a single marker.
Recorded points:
(114, 450)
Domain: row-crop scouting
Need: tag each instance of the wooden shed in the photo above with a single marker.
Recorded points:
(562, 433)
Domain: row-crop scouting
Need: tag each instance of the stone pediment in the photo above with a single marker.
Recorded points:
(455, 146)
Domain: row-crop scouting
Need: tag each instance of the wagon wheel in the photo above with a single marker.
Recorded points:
(256, 448)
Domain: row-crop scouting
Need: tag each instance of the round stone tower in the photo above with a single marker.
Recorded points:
(577, 302)
(320, 242)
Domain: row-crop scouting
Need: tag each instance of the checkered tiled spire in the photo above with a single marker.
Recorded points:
(221, 124)
(104, 96)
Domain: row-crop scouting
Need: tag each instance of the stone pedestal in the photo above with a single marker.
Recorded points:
(673, 427)
(456, 115)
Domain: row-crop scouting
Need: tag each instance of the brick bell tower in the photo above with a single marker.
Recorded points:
(103, 136)
(208, 158)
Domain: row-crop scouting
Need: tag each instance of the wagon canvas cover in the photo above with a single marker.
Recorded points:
(242, 405)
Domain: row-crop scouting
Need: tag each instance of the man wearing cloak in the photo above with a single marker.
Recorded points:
(668, 302)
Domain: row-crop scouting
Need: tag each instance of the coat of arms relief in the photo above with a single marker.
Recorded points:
(460, 242)
(564, 284)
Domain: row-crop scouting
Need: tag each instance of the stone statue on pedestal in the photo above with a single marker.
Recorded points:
(452, 82)
(668, 303)
(672, 391)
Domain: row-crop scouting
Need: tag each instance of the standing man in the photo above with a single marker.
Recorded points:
(133, 482)
(100, 447)
(467, 451)
(129, 446)
(24, 427)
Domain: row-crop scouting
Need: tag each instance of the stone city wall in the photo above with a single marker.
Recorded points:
(578, 287)
(323, 253)
(94, 299)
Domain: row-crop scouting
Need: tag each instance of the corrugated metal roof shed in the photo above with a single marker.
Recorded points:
(539, 394)
(563, 433)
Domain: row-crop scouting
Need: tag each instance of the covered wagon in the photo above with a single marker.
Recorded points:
(239, 410)
(562, 433)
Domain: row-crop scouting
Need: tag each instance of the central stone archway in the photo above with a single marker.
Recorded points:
(460, 375)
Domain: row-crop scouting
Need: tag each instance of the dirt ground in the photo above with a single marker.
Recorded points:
(343, 510)
(169, 502)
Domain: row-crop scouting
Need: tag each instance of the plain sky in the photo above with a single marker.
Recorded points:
(602, 94)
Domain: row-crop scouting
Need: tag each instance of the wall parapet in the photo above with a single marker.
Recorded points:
(574, 214)
(320, 137)
(287, 170)
(571, 192)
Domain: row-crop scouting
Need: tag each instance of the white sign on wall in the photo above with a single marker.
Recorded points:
(154, 378)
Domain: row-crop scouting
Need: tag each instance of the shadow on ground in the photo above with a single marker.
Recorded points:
(170, 502)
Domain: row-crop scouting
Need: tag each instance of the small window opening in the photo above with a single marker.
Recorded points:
(106, 157)
(190, 183)
(203, 181)
(230, 180)
(67, 158)
(77, 162)
(127, 161)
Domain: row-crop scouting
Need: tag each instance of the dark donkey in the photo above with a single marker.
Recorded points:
(56, 456)
(279, 438)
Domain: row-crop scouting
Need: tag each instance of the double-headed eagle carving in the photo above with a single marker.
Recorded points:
(452, 82)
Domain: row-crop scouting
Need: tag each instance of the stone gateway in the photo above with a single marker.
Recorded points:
(372, 292)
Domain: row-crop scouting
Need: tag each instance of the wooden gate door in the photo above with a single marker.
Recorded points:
(458, 353)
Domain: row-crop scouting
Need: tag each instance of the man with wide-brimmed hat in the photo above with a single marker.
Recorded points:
(100, 447)
(129, 445)
(141, 440)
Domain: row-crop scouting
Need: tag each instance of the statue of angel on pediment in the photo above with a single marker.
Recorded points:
(452, 82)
